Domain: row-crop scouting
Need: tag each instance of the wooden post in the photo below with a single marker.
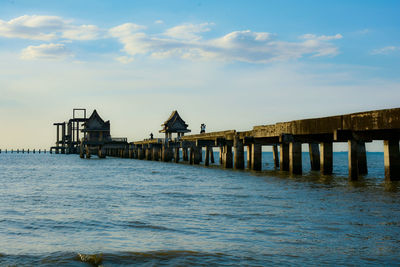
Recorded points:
(166, 153)
(176, 155)
(228, 156)
(207, 156)
(275, 155)
(326, 160)
(284, 157)
(248, 155)
(295, 164)
(362, 158)
(314, 156)
(353, 159)
(238, 153)
(256, 157)
(212, 155)
(392, 160)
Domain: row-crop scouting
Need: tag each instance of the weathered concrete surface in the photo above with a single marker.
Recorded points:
(387, 119)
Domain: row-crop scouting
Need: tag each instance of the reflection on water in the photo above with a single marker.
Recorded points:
(62, 210)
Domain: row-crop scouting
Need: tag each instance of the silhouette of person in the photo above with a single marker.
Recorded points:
(151, 136)
(202, 128)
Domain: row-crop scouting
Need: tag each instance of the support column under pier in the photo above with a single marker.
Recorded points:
(275, 156)
(326, 158)
(248, 155)
(284, 156)
(176, 155)
(185, 154)
(392, 160)
(156, 153)
(207, 156)
(256, 157)
(227, 158)
(353, 159)
(212, 155)
(362, 158)
(295, 164)
(238, 153)
(314, 156)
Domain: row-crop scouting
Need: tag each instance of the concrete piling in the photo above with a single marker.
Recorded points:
(392, 159)
(295, 161)
(284, 156)
(185, 154)
(248, 156)
(326, 158)
(353, 159)
(238, 153)
(275, 156)
(207, 156)
(362, 158)
(176, 154)
(314, 156)
(227, 156)
(256, 157)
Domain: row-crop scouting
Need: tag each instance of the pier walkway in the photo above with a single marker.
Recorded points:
(286, 139)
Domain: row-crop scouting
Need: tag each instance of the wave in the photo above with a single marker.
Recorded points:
(151, 258)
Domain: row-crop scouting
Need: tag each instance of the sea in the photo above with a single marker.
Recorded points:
(60, 210)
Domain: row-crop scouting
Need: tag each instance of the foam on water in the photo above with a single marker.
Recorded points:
(62, 210)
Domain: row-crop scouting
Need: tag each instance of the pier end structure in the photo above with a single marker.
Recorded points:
(68, 133)
(97, 139)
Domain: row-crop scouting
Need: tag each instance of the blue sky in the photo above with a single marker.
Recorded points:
(229, 64)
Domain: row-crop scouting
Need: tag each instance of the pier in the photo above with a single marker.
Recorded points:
(285, 139)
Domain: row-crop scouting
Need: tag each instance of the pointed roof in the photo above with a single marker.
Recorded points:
(174, 124)
(96, 123)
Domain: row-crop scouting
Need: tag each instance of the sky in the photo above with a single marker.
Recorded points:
(228, 64)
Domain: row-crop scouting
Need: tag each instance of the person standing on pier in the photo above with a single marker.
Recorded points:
(202, 128)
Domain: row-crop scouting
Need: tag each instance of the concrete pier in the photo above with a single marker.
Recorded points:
(362, 158)
(392, 159)
(284, 157)
(248, 155)
(207, 156)
(295, 163)
(353, 159)
(326, 158)
(176, 155)
(238, 153)
(314, 156)
(256, 157)
(227, 156)
(275, 156)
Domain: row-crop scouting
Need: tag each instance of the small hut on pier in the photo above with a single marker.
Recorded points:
(96, 129)
(174, 124)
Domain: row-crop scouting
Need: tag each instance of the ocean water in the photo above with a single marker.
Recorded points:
(60, 210)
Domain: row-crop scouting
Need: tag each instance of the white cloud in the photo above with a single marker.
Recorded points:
(159, 21)
(45, 51)
(124, 59)
(188, 32)
(386, 50)
(83, 33)
(185, 41)
(46, 28)
(322, 37)
(125, 30)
